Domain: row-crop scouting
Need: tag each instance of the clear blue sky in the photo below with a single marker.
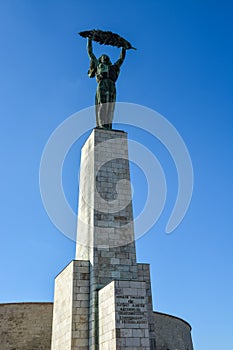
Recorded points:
(183, 70)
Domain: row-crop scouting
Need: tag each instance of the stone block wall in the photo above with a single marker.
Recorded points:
(144, 275)
(26, 326)
(63, 299)
(105, 217)
(123, 316)
(71, 307)
(107, 319)
(172, 333)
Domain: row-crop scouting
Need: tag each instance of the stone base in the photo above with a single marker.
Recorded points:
(71, 306)
(103, 299)
(27, 326)
(123, 316)
(122, 311)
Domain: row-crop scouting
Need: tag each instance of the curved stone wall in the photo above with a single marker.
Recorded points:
(172, 333)
(26, 326)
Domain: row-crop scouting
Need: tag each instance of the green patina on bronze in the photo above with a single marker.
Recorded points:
(106, 73)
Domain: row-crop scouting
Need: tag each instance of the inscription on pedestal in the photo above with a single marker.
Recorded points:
(131, 309)
(123, 316)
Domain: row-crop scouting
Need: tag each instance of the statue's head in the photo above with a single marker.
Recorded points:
(105, 59)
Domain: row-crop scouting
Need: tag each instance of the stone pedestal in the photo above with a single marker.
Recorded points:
(117, 304)
(71, 306)
(103, 298)
(105, 217)
(123, 316)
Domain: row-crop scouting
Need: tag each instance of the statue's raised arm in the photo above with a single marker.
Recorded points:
(90, 50)
(94, 61)
(121, 58)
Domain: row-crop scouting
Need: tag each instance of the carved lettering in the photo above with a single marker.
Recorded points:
(131, 309)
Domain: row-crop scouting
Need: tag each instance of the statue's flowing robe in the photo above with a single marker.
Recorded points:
(106, 75)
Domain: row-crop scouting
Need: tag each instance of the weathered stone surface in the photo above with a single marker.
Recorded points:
(123, 316)
(105, 218)
(25, 326)
(144, 275)
(71, 306)
(172, 332)
(107, 318)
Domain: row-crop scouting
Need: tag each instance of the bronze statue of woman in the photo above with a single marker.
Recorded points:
(106, 75)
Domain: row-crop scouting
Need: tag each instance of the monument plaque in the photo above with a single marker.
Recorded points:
(123, 311)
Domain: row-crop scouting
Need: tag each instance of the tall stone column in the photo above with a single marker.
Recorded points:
(105, 217)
